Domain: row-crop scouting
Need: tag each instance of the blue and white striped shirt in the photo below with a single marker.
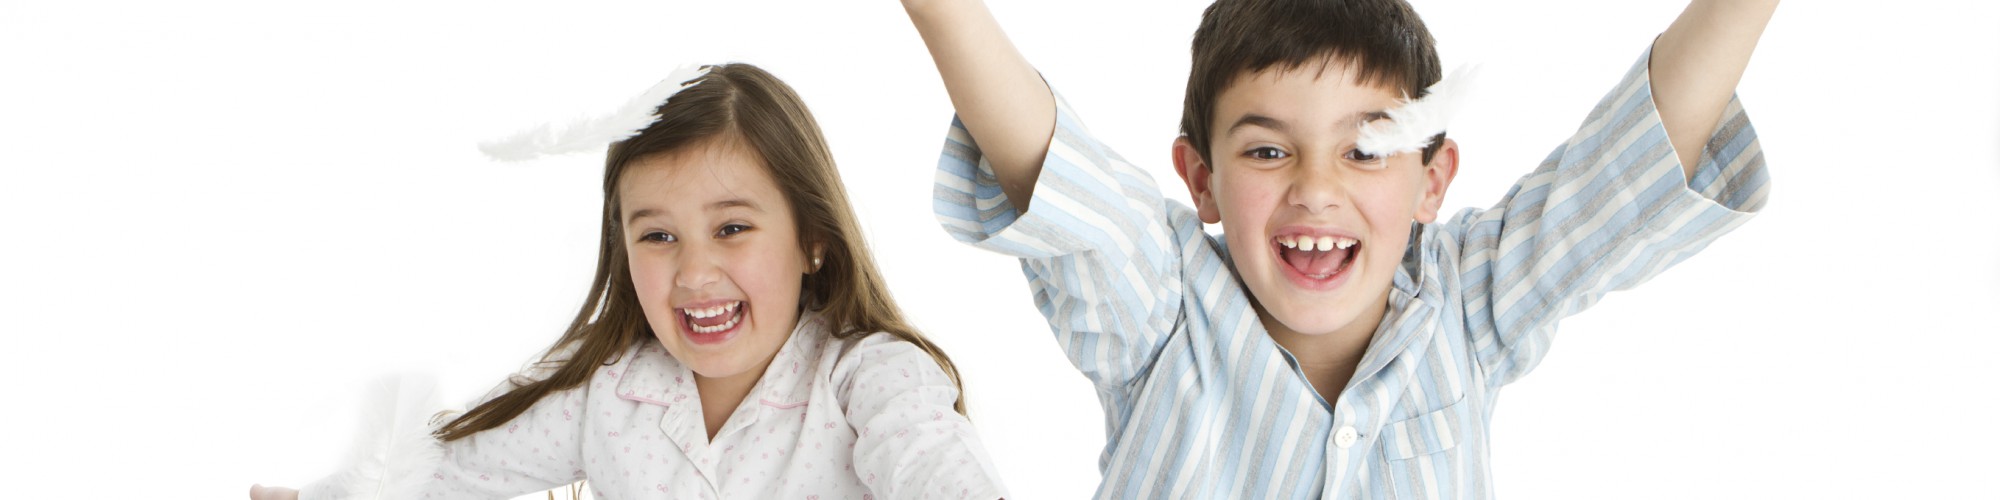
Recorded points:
(1201, 403)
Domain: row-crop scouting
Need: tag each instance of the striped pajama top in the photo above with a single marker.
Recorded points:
(1199, 402)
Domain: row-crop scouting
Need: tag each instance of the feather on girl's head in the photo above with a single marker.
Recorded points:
(590, 134)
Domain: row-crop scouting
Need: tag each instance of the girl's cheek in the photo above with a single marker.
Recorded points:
(649, 279)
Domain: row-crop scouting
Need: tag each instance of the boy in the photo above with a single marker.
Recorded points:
(1337, 339)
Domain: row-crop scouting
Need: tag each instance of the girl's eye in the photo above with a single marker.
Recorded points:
(731, 230)
(658, 237)
(1266, 153)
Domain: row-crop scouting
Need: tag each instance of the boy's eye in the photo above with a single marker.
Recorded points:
(731, 230)
(658, 237)
(1357, 156)
(1266, 153)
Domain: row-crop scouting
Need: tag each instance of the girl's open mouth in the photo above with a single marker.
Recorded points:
(712, 324)
(1316, 262)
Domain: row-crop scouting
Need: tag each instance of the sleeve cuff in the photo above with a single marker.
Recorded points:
(1730, 179)
(1730, 172)
(1085, 195)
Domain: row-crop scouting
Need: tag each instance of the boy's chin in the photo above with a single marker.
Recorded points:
(1315, 321)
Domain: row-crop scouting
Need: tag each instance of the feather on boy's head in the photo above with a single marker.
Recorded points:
(1382, 40)
(1419, 124)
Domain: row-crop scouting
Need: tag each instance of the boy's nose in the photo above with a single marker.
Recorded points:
(1316, 188)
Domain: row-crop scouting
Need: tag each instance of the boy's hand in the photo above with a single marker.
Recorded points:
(261, 492)
(999, 96)
(1696, 65)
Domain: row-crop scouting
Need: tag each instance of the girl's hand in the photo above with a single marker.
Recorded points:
(261, 492)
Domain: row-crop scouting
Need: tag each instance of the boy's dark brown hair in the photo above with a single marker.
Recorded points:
(1382, 39)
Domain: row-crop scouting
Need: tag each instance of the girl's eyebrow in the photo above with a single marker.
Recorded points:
(733, 203)
(642, 213)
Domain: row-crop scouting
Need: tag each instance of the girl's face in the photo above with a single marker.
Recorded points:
(715, 256)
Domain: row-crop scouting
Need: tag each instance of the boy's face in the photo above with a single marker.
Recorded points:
(1315, 228)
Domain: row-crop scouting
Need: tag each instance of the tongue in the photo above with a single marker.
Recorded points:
(1315, 263)
(717, 320)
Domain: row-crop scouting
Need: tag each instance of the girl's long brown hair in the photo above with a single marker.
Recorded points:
(768, 116)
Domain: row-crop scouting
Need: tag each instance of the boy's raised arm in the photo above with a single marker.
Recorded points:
(1696, 65)
(999, 96)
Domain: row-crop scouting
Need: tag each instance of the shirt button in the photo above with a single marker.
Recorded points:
(1345, 437)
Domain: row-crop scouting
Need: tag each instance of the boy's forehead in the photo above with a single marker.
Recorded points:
(1302, 92)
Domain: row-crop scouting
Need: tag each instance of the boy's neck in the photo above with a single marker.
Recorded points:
(1328, 359)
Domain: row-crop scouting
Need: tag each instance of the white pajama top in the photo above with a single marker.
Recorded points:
(856, 419)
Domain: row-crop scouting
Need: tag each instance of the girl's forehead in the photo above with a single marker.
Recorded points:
(696, 177)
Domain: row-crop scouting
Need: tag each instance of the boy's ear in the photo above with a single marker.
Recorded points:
(1437, 178)
(1195, 174)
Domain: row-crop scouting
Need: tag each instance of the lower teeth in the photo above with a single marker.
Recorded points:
(717, 328)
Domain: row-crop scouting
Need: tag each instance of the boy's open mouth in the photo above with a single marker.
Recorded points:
(1317, 258)
(712, 323)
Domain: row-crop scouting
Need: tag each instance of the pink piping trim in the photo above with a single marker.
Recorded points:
(635, 397)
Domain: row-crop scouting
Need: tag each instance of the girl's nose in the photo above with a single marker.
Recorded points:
(697, 267)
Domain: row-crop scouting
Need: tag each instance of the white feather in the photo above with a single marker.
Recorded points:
(396, 454)
(587, 134)
(1410, 127)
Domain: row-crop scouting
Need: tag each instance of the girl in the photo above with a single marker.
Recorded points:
(737, 342)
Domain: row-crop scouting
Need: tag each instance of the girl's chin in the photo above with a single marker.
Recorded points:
(719, 367)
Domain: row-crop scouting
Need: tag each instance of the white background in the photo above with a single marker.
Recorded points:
(220, 219)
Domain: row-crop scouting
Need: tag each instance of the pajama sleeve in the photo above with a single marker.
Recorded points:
(535, 451)
(538, 450)
(909, 442)
(1608, 210)
(1098, 243)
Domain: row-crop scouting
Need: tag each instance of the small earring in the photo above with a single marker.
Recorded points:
(815, 263)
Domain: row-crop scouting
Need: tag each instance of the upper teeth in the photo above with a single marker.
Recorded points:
(1323, 243)
(710, 312)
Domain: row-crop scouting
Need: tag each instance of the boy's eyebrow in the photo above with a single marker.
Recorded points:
(712, 207)
(1257, 120)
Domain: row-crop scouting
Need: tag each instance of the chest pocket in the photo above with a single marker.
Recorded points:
(1417, 461)
(1424, 434)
